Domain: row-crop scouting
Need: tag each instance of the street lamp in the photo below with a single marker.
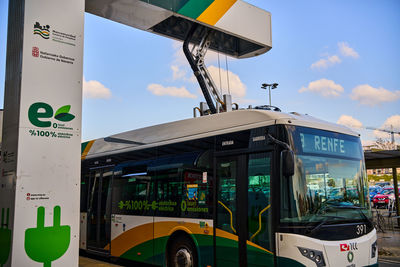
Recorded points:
(270, 86)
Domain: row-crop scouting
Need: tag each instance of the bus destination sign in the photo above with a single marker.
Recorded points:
(330, 145)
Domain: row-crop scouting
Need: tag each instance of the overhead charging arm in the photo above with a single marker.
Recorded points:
(207, 85)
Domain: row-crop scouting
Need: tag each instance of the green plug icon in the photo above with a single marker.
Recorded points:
(5, 238)
(47, 244)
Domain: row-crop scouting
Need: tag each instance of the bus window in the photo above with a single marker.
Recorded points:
(226, 213)
(84, 191)
(182, 193)
(132, 192)
(197, 193)
(184, 180)
(259, 204)
(168, 192)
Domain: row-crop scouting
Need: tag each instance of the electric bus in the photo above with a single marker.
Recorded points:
(242, 188)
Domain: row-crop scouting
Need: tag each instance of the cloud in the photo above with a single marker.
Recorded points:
(177, 72)
(180, 66)
(324, 87)
(393, 121)
(326, 62)
(179, 58)
(349, 121)
(95, 89)
(181, 71)
(370, 96)
(159, 90)
(347, 51)
(334, 59)
(236, 87)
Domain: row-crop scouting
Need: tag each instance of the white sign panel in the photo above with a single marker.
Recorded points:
(45, 222)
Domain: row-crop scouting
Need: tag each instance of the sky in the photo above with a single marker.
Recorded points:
(335, 60)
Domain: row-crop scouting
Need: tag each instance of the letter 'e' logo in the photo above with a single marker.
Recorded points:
(40, 111)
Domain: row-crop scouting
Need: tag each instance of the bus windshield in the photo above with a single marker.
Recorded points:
(329, 184)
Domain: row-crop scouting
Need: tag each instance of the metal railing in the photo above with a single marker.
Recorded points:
(385, 220)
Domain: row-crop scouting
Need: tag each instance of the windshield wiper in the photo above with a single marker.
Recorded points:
(352, 207)
(324, 221)
(334, 205)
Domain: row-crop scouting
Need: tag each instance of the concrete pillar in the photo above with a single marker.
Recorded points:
(40, 163)
(396, 194)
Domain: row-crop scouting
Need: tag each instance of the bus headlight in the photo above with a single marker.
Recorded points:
(373, 249)
(314, 255)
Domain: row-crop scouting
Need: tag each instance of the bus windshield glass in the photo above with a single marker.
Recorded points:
(329, 183)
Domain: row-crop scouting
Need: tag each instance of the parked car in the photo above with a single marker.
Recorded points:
(382, 184)
(392, 199)
(382, 199)
(373, 190)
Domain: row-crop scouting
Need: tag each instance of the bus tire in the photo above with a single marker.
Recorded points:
(182, 252)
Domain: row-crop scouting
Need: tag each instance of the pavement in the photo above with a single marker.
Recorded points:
(89, 262)
(389, 245)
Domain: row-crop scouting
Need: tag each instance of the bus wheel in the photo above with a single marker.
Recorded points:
(182, 253)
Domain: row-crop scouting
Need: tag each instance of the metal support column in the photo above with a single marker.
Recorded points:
(396, 194)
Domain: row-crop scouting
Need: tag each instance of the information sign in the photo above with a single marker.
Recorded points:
(40, 170)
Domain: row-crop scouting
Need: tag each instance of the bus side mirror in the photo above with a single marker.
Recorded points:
(287, 163)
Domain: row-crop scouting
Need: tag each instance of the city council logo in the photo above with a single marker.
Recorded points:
(43, 31)
(35, 51)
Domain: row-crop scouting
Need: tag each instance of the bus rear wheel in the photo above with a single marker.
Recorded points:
(182, 253)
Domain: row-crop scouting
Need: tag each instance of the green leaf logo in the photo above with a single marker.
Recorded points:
(63, 115)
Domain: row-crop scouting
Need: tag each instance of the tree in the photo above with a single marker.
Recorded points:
(331, 183)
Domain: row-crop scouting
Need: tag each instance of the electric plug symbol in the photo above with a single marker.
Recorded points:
(47, 244)
(5, 237)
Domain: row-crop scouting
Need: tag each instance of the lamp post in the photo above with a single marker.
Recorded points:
(270, 86)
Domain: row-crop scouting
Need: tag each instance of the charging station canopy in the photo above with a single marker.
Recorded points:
(239, 29)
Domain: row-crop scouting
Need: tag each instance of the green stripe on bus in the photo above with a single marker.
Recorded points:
(172, 5)
(194, 8)
(83, 146)
(206, 249)
(282, 261)
(258, 257)
(144, 251)
(140, 253)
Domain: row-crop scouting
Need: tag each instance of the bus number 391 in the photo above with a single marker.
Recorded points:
(361, 229)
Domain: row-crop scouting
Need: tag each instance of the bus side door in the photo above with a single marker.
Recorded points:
(99, 210)
(229, 171)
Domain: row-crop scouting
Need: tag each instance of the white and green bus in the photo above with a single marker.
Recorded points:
(242, 188)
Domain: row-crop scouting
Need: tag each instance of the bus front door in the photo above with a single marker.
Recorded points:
(243, 219)
(229, 225)
(99, 211)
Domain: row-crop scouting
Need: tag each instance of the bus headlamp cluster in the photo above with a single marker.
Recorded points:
(314, 255)
(373, 249)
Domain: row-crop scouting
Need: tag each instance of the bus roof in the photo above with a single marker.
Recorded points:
(205, 126)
